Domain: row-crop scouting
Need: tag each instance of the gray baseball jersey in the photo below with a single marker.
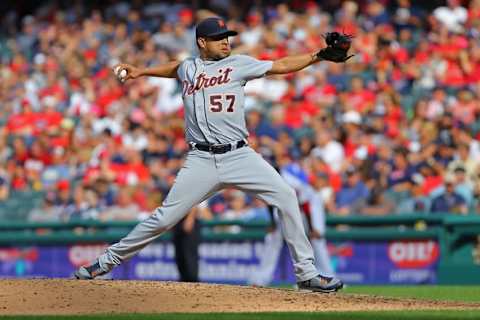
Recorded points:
(214, 113)
(213, 95)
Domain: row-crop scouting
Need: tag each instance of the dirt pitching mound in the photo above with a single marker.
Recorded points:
(61, 296)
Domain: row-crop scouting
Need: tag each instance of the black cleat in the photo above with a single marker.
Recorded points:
(321, 284)
(89, 272)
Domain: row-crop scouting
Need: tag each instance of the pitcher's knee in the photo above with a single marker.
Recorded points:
(286, 200)
(162, 220)
(287, 194)
(166, 219)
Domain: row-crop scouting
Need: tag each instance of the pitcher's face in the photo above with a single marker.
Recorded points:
(215, 48)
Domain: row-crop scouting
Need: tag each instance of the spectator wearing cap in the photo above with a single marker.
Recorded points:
(416, 201)
(253, 34)
(353, 194)
(444, 154)
(63, 195)
(351, 132)
(463, 186)
(450, 201)
(401, 172)
(465, 161)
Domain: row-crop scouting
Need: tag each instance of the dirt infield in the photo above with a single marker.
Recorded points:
(61, 296)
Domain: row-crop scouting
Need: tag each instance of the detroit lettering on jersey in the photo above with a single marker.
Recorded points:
(203, 81)
(213, 96)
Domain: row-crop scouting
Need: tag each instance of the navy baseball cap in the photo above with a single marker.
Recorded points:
(212, 28)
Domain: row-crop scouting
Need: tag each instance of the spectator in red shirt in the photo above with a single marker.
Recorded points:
(19, 181)
(320, 92)
(393, 112)
(40, 152)
(133, 172)
(22, 123)
(49, 119)
(360, 98)
(20, 150)
(431, 181)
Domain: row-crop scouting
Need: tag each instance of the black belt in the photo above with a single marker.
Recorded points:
(218, 148)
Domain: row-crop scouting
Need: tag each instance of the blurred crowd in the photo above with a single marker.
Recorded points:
(396, 130)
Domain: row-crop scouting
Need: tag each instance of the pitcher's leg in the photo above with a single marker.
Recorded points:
(196, 180)
(247, 170)
(322, 257)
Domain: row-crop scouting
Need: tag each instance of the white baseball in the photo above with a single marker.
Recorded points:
(123, 73)
(120, 73)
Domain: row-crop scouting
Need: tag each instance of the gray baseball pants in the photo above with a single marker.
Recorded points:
(204, 174)
(323, 263)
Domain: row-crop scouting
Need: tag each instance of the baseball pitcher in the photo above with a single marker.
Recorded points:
(219, 156)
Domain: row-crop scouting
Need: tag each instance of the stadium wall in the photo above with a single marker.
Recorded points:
(410, 249)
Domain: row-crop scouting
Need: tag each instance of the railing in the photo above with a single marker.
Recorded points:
(419, 226)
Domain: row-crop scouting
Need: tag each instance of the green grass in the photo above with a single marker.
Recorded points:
(390, 315)
(430, 292)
